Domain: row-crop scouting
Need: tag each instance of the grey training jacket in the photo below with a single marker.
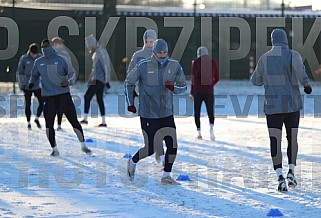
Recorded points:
(139, 55)
(24, 72)
(155, 100)
(281, 70)
(52, 69)
(100, 62)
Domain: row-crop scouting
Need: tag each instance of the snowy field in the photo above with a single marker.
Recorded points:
(231, 177)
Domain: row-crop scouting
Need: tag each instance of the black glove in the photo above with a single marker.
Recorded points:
(31, 85)
(132, 108)
(23, 87)
(135, 94)
(107, 85)
(307, 89)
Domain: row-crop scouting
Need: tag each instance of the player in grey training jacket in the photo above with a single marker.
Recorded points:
(158, 77)
(56, 78)
(281, 71)
(98, 78)
(58, 45)
(23, 74)
(149, 38)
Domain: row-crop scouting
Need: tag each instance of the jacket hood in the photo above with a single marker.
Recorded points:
(48, 51)
(149, 34)
(91, 42)
(278, 37)
(202, 51)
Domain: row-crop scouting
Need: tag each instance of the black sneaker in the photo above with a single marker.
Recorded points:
(38, 123)
(291, 179)
(83, 122)
(29, 126)
(102, 125)
(282, 184)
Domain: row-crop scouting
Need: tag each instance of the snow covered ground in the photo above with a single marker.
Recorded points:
(231, 177)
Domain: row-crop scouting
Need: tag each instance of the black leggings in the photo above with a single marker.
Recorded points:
(28, 94)
(59, 116)
(97, 89)
(154, 132)
(275, 123)
(64, 103)
(209, 103)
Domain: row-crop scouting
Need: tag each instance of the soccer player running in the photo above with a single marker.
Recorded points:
(59, 46)
(158, 77)
(23, 74)
(56, 78)
(149, 38)
(98, 78)
(205, 74)
(281, 71)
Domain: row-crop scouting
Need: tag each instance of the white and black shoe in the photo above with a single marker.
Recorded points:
(131, 167)
(86, 150)
(54, 153)
(282, 184)
(29, 126)
(169, 180)
(212, 135)
(157, 158)
(291, 179)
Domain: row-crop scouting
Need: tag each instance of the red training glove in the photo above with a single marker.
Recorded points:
(64, 83)
(169, 85)
(132, 108)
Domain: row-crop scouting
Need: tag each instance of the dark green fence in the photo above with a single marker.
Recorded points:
(33, 27)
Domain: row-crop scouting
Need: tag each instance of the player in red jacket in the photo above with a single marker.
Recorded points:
(205, 74)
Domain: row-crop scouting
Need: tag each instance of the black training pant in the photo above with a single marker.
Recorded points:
(52, 105)
(275, 123)
(28, 95)
(97, 89)
(59, 117)
(154, 132)
(209, 103)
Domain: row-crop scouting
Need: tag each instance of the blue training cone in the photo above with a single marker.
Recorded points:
(89, 140)
(127, 156)
(183, 177)
(275, 212)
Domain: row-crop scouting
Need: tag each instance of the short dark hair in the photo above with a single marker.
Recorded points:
(33, 48)
(45, 43)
